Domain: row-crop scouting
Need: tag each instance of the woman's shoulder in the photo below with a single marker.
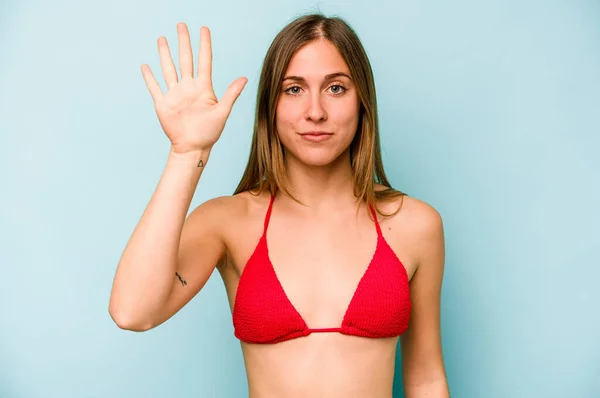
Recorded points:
(231, 216)
(240, 205)
(414, 226)
(406, 209)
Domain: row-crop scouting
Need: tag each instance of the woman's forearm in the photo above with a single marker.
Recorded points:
(144, 275)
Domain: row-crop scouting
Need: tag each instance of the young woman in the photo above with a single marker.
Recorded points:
(325, 265)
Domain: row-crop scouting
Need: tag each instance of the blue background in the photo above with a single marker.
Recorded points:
(490, 112)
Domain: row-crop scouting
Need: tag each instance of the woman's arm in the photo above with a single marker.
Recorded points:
(164, 256)
(166, 262)
(423, 372)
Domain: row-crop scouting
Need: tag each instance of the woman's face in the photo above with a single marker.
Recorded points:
(318, 107)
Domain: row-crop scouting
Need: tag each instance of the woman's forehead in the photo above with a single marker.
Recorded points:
(315, 60)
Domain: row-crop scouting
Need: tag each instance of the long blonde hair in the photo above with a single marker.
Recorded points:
(266, 166)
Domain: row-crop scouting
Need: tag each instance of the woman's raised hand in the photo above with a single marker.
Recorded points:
(189, 112)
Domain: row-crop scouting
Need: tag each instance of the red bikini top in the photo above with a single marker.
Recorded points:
(380, 306)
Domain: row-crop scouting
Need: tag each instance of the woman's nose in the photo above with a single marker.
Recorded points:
(316, 111)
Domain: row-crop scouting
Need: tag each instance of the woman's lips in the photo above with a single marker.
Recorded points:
(316, 136)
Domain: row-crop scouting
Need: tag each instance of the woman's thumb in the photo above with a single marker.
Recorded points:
(233, 92)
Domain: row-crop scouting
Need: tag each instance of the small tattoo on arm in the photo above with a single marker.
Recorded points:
(201, 164)
(183, 282)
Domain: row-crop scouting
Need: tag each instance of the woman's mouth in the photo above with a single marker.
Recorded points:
(316, 136)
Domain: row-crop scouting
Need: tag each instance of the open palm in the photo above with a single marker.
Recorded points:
(189, 113)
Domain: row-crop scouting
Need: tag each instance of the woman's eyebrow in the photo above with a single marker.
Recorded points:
(327, 77)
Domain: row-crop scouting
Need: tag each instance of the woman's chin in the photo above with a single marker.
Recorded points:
(318, 158)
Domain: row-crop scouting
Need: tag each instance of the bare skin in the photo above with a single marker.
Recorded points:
(319, 250)
(319, 260)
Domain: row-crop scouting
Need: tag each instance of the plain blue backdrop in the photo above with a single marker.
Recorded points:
(489, 110)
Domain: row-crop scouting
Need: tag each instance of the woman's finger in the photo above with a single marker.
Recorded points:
(205, 57)
(186, 63)
(232, 94)
(166, 62)
(151, 83)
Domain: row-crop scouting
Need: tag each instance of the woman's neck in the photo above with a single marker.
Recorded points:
(322, 186)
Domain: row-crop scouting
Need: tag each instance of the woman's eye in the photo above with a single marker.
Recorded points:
(337, 89)
(293, 90)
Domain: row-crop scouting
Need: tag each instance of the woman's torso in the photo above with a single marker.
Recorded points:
(319, 263)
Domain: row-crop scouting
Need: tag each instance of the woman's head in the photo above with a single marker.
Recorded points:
(317, 95)
(296, 96)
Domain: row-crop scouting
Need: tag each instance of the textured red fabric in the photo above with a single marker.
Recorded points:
(380, 306)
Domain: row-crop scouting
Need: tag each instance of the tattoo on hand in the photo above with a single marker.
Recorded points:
(201, 164)
(183, 282)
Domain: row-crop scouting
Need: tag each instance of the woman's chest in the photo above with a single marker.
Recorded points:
(318, 270)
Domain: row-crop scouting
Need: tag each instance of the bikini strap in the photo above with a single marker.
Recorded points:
(375, 218)
(268, 216)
